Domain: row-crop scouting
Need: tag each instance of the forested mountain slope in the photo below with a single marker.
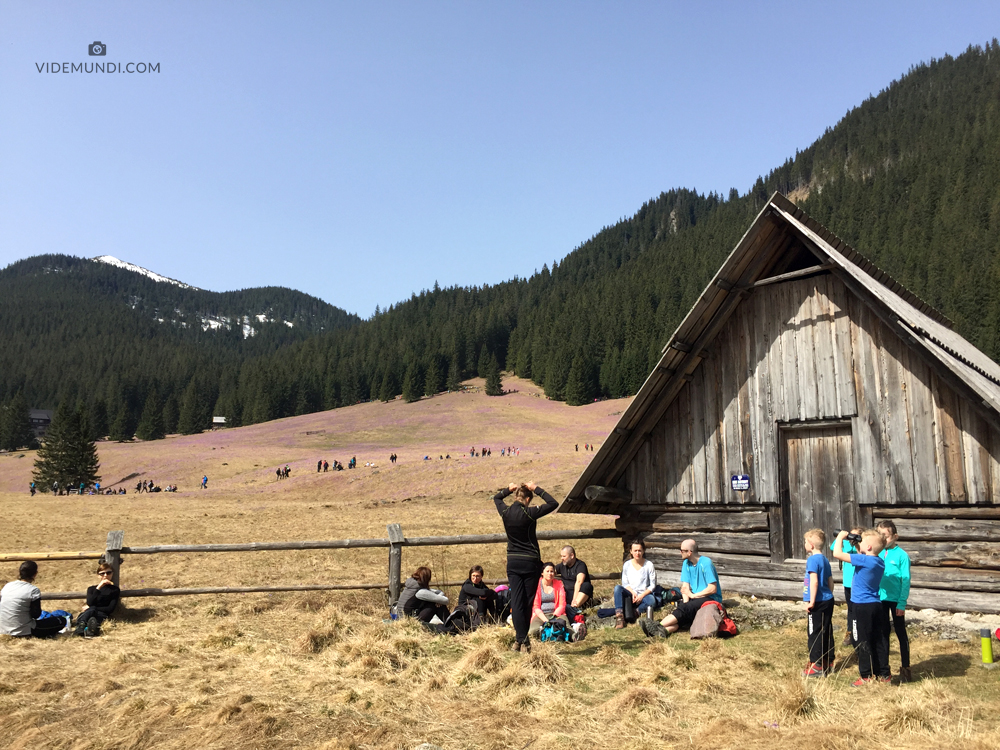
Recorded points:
(75, 328)
(911, 178)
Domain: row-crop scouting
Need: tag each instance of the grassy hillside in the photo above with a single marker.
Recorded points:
(321, 670)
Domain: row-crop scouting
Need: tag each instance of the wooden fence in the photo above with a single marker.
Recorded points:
(115, 549)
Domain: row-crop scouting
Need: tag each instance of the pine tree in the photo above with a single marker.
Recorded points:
(120, 429)
(171, 413)
(68, 455)
(581, 386)
(151, 423)
(15, 424)
(454, 376)
(494, 385)
(411, 384)
(191, 420)
(484, 362)
(432, 383)
(99, 427)
(390, 388)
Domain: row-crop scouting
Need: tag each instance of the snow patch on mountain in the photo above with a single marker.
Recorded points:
(117, 263)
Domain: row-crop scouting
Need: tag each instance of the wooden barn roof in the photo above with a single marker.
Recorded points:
(780, 230)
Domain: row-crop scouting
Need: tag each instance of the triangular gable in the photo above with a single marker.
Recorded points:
(777, 231)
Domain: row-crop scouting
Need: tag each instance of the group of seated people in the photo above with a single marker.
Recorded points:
(565, 589)
(21, 614)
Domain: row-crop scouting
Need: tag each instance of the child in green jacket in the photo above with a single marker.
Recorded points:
(894, 592)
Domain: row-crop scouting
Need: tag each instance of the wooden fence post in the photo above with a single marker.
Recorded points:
(113, 554)
(395, 561)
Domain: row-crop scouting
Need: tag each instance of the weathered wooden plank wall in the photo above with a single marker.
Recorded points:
(809, 350)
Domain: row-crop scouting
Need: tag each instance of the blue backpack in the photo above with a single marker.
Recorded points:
(556, 630)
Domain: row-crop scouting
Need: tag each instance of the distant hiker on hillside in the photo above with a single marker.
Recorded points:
(32, 488)
(524, 560)
(326, 466)
(319, 466)
(204, 482)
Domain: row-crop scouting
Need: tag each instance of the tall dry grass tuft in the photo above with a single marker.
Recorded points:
(546, 663)
(611, 655)
(486, 658)
(323, 634)
(637, 700)
(795, 699)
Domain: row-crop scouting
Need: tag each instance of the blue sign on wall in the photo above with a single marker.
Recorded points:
(741, 482)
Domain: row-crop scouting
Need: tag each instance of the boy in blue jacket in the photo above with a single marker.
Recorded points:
(869, 621)
(893, 592)
(817, 593)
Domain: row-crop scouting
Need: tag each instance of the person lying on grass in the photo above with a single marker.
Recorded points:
(102, 599)
(418, 599)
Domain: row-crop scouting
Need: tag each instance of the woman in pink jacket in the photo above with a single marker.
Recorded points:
(550, 600)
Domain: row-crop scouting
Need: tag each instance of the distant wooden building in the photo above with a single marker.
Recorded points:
(808, 388)
(40, 420)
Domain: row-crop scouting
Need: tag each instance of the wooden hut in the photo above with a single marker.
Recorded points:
(808, 388)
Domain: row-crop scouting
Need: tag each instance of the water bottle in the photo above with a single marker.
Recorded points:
(649, 612)
(394, 612)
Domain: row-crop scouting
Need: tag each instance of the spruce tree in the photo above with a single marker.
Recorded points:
(99, 426)
(581, 387)
(411, 384)
(151, 423)
(171, 413)
(190, 421)
(454, 376)
(432, 383)
(68, 455)
(120, 429)
(15, 424)
(494, 385)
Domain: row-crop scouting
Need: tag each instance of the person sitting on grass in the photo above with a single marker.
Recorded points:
(418, 599)
(21, 607)
(102, 599)
(699, 584)
(550, 600)
(870, 627)
(476, 592)
(638, 582)
(576, 580)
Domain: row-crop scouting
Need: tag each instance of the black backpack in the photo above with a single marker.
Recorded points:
(503, 604)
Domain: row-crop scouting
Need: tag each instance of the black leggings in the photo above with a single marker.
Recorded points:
(425, 611)
(850, 614)
(899, 625)
(522, 576)
(48, 627)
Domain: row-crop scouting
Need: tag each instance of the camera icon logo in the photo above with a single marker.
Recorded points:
(97, 49)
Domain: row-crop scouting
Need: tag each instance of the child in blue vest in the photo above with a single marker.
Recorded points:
(869, 620)
(817, 592)
(893, 592)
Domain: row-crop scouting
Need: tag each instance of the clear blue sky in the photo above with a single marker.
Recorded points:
(361, 151)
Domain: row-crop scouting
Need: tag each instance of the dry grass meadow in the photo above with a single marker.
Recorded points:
(323, 670)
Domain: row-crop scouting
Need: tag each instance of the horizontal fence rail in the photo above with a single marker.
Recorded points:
(115, 549)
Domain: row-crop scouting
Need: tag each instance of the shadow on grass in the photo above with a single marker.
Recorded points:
(943, 665)
(135, 614)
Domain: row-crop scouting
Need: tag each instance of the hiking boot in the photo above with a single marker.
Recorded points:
(814, 670)
(92, 629)
(619, 620)
(885, 680)
(861, 682)
(644, 626)
(81, 628)
(905, 675)
(515, 646)
(526, 646)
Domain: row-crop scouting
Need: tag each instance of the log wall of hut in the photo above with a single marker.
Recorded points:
(838, 421)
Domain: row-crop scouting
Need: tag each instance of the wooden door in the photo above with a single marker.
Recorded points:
(817, 483)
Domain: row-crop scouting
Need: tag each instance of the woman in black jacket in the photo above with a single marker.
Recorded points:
(475, 591)
(101, 602)
(524, 560)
